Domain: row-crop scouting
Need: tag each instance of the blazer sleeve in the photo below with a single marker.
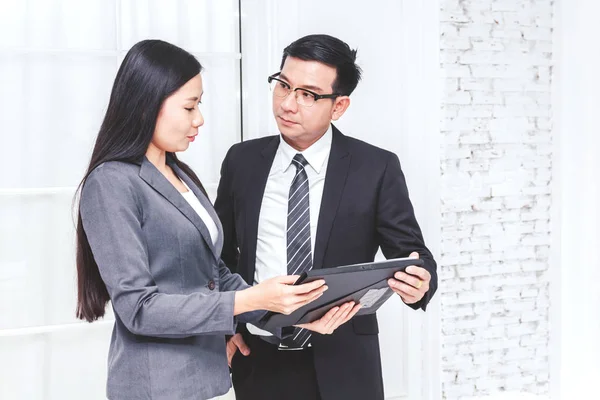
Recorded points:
(112, 221)
(224, 208)
(234, 282)
(398, 231)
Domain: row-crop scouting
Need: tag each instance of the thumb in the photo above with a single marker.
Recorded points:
(414, 254)
(239, 342)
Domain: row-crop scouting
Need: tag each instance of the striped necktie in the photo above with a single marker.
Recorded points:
(299, 254)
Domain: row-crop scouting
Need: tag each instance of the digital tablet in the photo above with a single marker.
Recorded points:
(362, 283)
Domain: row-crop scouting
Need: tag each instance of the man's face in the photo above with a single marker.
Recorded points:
(301, 126)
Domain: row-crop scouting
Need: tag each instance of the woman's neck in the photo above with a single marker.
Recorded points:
(157, 157)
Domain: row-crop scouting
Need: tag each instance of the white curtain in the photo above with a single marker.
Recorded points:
(409, 353)
(575, 311)
(58, 59)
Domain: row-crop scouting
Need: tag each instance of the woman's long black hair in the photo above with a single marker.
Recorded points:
(151, 71)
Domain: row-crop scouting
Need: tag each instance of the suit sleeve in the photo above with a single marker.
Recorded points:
(234, 282)
(225, 210)
(398, 231)
(112, 223)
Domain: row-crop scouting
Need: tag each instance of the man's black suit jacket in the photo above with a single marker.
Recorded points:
(365, 206)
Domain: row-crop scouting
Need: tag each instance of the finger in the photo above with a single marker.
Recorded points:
(302, 300)
(319, 325)
(409, 279)
(349, 307)
(340, 320)
(310, 296)
(308, 287)
(287, 279)
(407, 298)
(414, 254)
(403, 287)
(296, 305)
(418, 295)
(230, 353)
(319, 290)
(352, 313)
(238, 340)
(400, 293)
(231, 349)
(329, 315)
(354, 310)
(339, 317)
(419, 272)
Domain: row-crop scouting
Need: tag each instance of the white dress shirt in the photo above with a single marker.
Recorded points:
(271, 244)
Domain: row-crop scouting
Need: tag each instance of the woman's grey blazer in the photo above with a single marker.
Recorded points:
(171, 294)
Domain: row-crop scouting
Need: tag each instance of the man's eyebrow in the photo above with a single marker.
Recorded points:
(309, 87)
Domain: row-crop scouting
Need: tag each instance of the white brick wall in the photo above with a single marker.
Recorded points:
(496, 56)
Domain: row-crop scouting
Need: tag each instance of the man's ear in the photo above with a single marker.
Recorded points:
(339, 108)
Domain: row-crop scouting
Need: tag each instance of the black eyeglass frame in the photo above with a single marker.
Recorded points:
(315, 95)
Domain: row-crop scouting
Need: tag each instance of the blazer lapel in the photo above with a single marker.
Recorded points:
(152, 176)
(254, 192)
(335, 180)
(207, 206)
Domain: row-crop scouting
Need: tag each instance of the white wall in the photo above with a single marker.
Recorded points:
(496, 195)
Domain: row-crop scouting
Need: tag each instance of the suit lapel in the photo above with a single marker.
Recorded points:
(254, 191)
(335, 180)
(152, 176)
(207, 206)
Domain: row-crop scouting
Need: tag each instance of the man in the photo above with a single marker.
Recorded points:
(333, 201)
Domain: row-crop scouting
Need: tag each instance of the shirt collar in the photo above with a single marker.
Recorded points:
(316, 154)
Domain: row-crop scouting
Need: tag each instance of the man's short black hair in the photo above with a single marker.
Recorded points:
(331, 51)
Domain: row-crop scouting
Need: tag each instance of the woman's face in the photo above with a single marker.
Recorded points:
(179, 118)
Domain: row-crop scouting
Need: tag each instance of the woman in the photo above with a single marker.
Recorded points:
(149, 240)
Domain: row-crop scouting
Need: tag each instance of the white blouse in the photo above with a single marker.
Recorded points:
(191, 198)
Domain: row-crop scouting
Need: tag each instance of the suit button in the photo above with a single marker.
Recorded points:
(211, 285)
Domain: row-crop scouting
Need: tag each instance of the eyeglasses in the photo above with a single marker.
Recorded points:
(304, 97)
